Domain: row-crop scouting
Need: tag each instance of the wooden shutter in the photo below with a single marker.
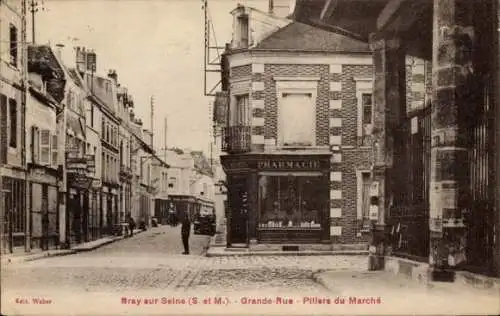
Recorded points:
(3, 129)
(54, 147)
(35, 145)
(45, 147)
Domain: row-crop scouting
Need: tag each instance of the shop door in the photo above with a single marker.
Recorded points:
(45, 217)
(239, 208)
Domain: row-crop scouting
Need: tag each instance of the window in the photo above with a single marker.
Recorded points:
(241, 114)
(171, 182)
(53, 150)
(13, 123)
(289, 201)
(103, 166)
(366, 118)
(45, 147)
(243, 24)
(13, 45)
(366, 102)
(92, 115)
(3, 128)
(103, 128)
(297, 118)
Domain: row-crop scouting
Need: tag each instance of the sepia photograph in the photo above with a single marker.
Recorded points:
(249, 157)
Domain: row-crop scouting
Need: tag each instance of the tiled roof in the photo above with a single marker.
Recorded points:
(302, 37)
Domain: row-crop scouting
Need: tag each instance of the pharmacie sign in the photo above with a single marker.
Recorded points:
(289, 164)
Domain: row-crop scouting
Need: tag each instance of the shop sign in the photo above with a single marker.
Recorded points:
(289, 164)
(79, 181)
(72, 152)
(238, 165)
(90, 161)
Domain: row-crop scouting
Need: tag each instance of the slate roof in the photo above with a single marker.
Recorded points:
(298, 36)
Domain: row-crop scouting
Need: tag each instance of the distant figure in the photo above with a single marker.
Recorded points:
(172, 216)
(131, 225)
(185, 231)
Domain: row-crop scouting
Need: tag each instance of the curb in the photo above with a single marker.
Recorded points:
(61, 252)
(288, 253)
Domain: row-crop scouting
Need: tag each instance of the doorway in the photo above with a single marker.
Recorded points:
(239, 212)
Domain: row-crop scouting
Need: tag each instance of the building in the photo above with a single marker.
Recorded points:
(141, 156)
(436, 164)
(44, 152)
(299, 156)
(125, 105)
(104, 90)
(190, 181)
(160, 181)
(79, 180)
(13, 74)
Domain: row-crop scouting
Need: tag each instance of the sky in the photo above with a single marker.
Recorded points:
(156, 47)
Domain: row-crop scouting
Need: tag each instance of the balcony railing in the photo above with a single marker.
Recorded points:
(236, 139)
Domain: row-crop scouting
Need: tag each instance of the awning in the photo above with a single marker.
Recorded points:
(75, 127)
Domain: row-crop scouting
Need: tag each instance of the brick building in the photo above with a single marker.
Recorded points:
(437, 161)
(298, 134)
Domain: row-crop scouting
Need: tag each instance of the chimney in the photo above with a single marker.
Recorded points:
(59, 50)
(80, 59)
(280, 8)
(113, 75)
(91, 59)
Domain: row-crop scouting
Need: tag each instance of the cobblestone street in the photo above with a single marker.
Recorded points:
(149, 265)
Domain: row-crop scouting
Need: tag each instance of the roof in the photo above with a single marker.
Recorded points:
(102, 88)
(201, 163)
(42, 60)
(77, 79)
(302, 37)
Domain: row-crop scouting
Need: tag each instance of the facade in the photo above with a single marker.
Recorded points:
(13, 73)
(78, 179)
(142, 190)
(298, 160)
(44, 161)
(104, 90)
(190, 182)
(125, 105)
(438, 169)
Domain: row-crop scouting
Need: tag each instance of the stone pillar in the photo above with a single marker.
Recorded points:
(496, 77)
(253, 192)
(452, 69)
(389, 107)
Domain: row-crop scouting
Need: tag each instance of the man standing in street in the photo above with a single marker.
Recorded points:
(185, 231)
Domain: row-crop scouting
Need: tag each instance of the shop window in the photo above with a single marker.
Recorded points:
(297, 118)
(289, 201)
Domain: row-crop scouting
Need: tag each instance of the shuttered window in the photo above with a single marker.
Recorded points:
(35, 145)
(13, 123)
(45, 147)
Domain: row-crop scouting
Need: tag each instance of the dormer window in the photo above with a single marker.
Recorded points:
(243, 30)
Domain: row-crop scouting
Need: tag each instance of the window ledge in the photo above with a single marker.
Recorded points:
(296, 78)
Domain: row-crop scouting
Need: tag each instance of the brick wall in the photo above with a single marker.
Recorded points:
(336, 125)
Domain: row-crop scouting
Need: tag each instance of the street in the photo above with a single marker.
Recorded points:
(148, 274)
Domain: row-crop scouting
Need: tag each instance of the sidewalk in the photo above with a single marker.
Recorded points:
(398, 294)
(30, 256)
(217, 248)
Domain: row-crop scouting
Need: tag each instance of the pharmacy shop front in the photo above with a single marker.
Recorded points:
(277, 198)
